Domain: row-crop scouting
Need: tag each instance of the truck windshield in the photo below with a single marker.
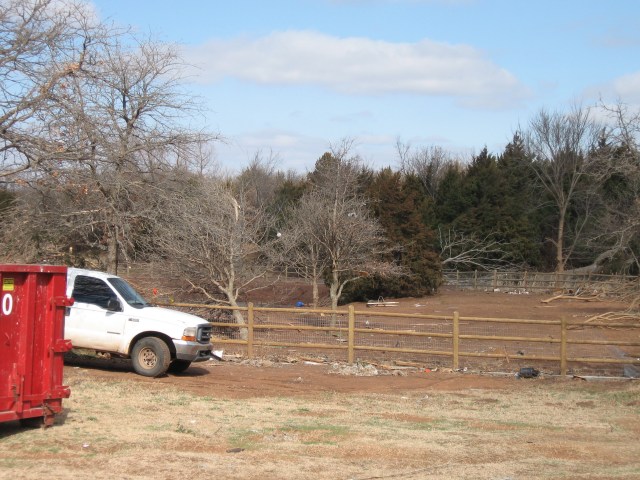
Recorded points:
(127, 292)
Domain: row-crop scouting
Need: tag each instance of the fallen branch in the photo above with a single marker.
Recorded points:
(572, 297)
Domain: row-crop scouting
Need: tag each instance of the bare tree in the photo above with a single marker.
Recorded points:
(118, 126)
(260, 179)
(429, 164)
(214, 239)
(338, 238)
(561, 146)
(458, 250)
(617, 230)
(300, 251)
(43, 45)
(129, 117)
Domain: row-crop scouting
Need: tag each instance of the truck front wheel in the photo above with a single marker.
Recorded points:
(151, 357)
(179, 366)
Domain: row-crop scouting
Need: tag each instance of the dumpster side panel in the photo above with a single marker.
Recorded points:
(32, 303)
(10, 347)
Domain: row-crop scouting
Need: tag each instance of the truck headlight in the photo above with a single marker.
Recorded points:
(189, 334)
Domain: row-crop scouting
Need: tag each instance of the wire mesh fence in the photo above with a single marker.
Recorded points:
(486, 344)
(540, 282)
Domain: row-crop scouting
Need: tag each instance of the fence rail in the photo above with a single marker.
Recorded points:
(449, 340)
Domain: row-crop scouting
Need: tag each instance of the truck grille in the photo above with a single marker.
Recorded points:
(204, 333)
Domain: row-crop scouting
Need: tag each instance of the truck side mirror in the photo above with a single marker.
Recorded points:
(113, 305)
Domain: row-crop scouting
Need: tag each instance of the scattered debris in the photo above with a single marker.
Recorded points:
(258, 362)
(218, 354)
(527, 372)
(381, 302)
(357, 370)
(235, 450)
(313, 360)
(402, 363)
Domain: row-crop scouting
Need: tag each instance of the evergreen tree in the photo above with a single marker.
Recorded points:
(522, 217)
(492, 200)
(397, 202)
(450, 200)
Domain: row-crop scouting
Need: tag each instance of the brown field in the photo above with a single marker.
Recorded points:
(242, 419)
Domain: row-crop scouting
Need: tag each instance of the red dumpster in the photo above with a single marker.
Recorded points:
(32, 345)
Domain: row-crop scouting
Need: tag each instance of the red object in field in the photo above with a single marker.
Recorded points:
(32, 306)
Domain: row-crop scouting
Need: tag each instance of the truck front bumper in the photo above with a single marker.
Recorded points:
(193, 351)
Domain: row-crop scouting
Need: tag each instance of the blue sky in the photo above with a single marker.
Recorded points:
(292, 77)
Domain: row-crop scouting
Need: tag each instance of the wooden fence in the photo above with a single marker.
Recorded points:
(577, 283)
(454, 341)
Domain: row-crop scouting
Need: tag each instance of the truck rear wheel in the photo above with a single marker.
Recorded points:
(151, 357)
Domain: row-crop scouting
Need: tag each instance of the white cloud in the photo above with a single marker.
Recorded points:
(625, 89)
(358, 65)
(294, 150)
(628, 86)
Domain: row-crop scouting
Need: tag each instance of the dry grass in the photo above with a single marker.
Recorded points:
(543, 429)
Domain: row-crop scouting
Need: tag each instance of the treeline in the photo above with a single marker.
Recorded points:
(100, 169)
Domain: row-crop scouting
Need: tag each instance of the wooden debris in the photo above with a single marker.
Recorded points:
(312, 359)
(383, 366)
(563, 296)
(381, 302)
(402, 363)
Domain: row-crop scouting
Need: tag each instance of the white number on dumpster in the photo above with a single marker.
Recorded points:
(7, 304)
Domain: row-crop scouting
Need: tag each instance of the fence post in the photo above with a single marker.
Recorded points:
(563, 346)
(475, 279)
(352, 334)
(456, 339)
(525, 280)
(250, 331)
(495, 279)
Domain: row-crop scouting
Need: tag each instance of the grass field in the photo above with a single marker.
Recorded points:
(516, 429)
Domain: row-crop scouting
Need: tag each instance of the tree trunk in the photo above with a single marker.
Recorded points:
(316, 294)
(239, 318)
(112, 251)
(334, 293)
(560, 242)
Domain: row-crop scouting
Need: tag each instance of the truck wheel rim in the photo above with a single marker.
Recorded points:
(148, 358)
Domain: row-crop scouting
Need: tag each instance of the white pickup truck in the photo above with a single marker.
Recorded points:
(109, 316)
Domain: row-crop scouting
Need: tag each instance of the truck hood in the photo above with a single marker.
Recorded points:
(166, 315)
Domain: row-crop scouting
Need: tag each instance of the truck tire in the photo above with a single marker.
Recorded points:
(179, 366)
(150, 357)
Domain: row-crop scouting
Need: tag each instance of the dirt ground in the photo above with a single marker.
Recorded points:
(258, 419)
(503, 305)
(230, 378)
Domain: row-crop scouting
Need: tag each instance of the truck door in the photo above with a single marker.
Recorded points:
(92, 322)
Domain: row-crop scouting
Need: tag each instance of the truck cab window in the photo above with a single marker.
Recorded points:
(127, 292)
(92, 290)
